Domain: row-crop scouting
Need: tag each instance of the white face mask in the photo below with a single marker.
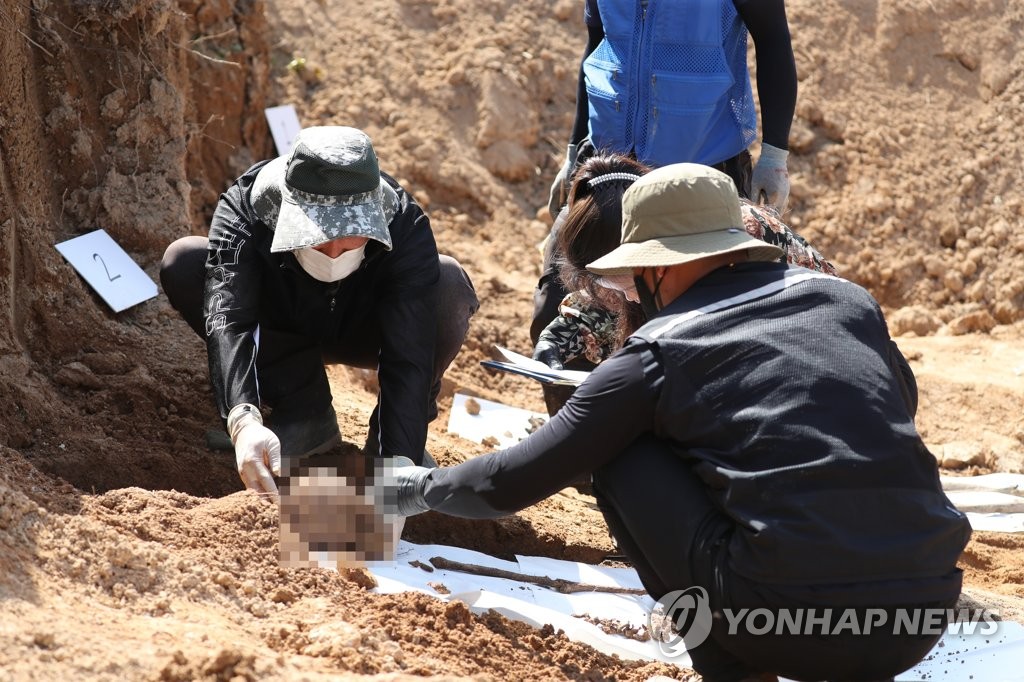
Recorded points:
(322, 267)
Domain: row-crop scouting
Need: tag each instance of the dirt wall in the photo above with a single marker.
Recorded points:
(132, 117)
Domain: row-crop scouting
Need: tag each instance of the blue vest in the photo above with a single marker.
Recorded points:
(670, 82)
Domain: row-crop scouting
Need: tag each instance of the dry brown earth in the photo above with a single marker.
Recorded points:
(126, 550)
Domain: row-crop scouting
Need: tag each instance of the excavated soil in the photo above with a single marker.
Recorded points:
(127, 548)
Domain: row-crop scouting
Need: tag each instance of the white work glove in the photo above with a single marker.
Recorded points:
(560, 187)
(409, 481)
(769, 182)
(257, 450)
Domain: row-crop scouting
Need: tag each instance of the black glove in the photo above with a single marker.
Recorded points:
(548, 354)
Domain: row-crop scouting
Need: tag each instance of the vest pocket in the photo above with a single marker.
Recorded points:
(683, 118)
(607, 96)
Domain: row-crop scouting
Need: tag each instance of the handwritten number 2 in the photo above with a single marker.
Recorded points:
(97, 256)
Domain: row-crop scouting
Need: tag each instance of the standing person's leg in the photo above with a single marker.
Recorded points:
(546, 298)
(291, 373)
(549, 291)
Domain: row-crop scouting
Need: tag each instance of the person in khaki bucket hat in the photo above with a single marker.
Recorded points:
(752, 449)
(593, 320)
(679, 214)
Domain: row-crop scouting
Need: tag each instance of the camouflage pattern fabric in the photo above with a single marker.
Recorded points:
(314, 219)
(763, 223)
(308, 219)
(582, 329)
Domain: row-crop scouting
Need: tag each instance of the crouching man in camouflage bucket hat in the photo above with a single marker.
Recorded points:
(315, 257)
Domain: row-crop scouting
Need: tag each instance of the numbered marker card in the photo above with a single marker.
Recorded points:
(108, 269)
(284, 126)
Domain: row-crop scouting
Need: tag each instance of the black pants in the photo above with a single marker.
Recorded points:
(661, 517)
(293, 382)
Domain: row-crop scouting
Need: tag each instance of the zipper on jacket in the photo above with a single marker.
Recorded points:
(332, 292)
(640, 102)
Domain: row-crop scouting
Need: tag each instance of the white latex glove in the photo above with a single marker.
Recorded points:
(769, 182)
(560, 187)
(258, 454)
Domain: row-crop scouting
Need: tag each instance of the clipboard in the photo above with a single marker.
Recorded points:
(533, 369)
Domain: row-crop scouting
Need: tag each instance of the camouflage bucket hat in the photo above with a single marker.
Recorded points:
(328, 187)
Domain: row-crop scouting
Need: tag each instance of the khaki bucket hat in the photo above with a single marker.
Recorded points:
(680, 213)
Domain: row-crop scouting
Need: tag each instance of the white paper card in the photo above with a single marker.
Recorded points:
(502, 424)
(108, 269)
(284, 126)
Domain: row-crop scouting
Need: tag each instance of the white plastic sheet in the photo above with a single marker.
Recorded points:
(1012, 484)
(529, 603)
(501, 423)
(957, 657)
(992, 502)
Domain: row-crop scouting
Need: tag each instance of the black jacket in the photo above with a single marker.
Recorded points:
(780, 388)
(390, 295)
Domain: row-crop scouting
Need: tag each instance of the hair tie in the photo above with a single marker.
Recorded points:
(610, 177)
